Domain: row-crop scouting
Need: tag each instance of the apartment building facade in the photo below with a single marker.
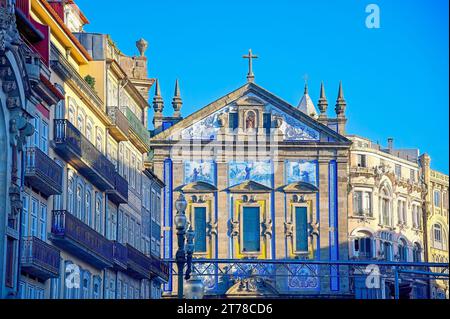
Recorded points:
(85, 227)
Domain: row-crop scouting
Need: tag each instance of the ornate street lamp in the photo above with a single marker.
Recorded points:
(182, 256)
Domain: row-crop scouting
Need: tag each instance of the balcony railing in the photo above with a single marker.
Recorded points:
(120, 127)
(160, 268)
(120, 256)
(43, 173)
(119, 194)
(140, 135)
(71, 234)
(77, 150)
(39, 258)
(139, 264)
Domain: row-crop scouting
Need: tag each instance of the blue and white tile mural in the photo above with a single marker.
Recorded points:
(293, 129)
(207, 128)
(260, 172)
(200, 171)
(301, 171)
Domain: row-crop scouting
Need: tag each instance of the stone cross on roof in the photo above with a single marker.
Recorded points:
(250, 57)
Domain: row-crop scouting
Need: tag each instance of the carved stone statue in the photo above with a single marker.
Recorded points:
(250, 121)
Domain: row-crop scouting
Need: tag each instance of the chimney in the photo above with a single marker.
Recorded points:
(390, 144)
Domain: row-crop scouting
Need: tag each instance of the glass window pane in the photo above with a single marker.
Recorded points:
(200, 229)
(251, 229)
(301, 229)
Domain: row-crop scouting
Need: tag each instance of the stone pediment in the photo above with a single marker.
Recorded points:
(197, 187)
(249, 187)
(206, 123)
(299, 187)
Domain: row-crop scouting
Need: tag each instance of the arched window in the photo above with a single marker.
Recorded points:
(402, 250)
(439, 237)
(362, 247)
(80, 121)
(79, 202)
(385, 207)
(96, 287)
(387, 251)
(417, 253)
(88, 210)
(89, 128)
(70, 193)
(98, 214)
(99, 140)
(71, 113)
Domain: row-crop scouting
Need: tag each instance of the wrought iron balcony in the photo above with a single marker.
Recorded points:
(160, 268)
(120, 127)
(138, 263)
(43, 173)
(71, 234)
(77, 150)
(119, 194)
(139, 135)
(120, 256)
(39, 258)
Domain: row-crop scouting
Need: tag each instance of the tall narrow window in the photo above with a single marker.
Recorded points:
(43, 223)
(25, 212)
(233, 119)
(301, 229)
(79, 202)
(437, 198)
(88, 208)
(9, 271)
(251, 229)
(36, 136)
(398, 170)
(98, 215)
(437, 236)
(34, 216)
(402, 250)
(417, 253)
(70, 195)
(362, 160)
(200, 229)
(267, 122)
(44, 137)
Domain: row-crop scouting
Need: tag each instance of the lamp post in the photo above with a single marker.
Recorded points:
(180, 224)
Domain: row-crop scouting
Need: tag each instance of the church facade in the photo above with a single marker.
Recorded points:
(263, 180)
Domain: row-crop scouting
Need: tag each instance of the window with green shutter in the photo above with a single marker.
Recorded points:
(200, 229)
(251, 229)
(301, 229)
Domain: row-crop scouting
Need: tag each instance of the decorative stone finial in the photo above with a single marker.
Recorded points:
(158, 102)
(177, 102)
(142, 46)
(340, 103)
(323, 102)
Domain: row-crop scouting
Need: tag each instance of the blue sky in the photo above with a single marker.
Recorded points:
(395, 78)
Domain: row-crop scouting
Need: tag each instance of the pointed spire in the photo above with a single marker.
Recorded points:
(158, 102)
(177, 102)
(323, 102)
(306, 105)
(340, 102)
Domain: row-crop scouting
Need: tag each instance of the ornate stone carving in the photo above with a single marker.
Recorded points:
(267, 228)
(289, 229)
(211, 229)
(234, 228)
